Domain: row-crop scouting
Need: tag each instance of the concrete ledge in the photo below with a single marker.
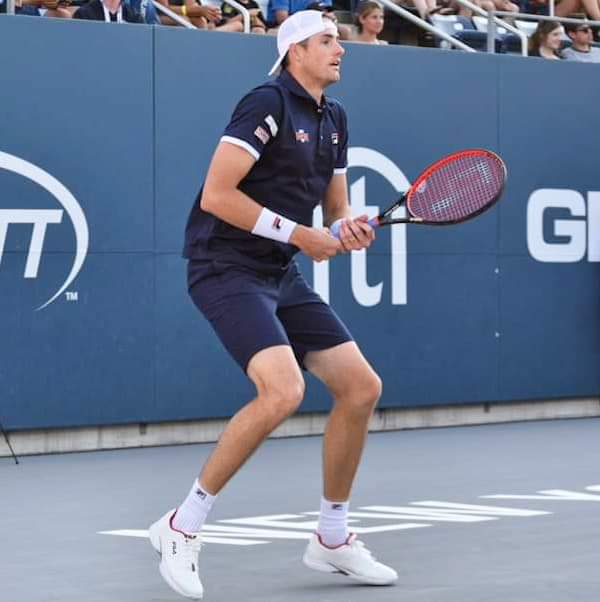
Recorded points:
(52, 441)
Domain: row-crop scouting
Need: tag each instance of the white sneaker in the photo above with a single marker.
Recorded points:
(179, 556)
(351, 559)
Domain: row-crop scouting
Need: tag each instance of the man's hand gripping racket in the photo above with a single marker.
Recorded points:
(452, 190)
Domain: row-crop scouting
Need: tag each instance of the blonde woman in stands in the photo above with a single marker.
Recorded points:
(546, 40)
(369, 20)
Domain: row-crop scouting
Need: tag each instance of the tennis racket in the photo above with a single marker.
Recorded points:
(452, 190)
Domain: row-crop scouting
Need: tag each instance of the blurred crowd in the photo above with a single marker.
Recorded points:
(550, 40)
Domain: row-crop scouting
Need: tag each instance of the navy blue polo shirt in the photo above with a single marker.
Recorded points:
(298, 145)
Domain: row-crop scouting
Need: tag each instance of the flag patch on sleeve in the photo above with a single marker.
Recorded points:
(262, 134)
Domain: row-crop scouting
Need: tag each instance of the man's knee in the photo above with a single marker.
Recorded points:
(373, 388)
(362, 392)
(278, 380)
(282, 397)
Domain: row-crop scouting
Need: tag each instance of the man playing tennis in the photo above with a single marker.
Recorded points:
(283, 152)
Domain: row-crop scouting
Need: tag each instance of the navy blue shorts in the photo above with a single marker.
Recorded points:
(251, 311)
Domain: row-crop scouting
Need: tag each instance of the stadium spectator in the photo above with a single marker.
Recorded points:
(591, 8)
(452, 7)
(193, 12)
(344, 31)
(43, 8)
(546, 40)
(506, 6)
(534, 7)
(582, 50)
(279, 10)
(465, 11)
(111, 11)
(427, 7)
(563, 8)
(369, 20)
(146, 10)
(231, 15)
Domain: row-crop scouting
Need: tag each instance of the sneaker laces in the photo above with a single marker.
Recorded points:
(191, 549)
(364, 551)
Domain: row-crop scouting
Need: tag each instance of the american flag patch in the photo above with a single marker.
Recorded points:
(335, 138)
(302, 136)
(262, 134)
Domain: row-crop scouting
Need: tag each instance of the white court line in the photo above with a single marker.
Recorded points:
(205, 539)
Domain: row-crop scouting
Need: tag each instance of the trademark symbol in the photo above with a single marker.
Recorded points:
(71, 296)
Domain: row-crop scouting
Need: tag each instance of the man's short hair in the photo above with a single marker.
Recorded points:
(575, 27)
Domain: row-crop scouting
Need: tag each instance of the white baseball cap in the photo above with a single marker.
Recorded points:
(299, 27)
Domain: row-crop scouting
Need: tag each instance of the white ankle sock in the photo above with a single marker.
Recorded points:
(333, 522)
(192, 513)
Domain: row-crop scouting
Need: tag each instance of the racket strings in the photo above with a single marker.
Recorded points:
(458, 188)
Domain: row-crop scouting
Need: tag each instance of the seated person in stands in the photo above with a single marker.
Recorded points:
(452, 7)
(111, 11)
(582, 50)
(534, 7)
(146, 10)
(506, 6)
(591, 8)
(231, 15)
(279, 10)
(563, 8)
(369, 21)
(344, 31)
(546, 40)
(427, 7)
(201, 16)
(43, 8)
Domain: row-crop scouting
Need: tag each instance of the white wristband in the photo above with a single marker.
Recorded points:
(273, 226)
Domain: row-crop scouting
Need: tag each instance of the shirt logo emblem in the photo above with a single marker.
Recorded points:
(335, 138)
(302, 136)
(262, 134)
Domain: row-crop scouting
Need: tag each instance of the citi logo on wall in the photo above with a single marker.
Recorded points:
(41, 219)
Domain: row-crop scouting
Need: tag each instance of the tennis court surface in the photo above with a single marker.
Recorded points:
(491, 513)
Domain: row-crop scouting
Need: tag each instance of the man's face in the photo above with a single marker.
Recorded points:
(321, 57)
(582, 36)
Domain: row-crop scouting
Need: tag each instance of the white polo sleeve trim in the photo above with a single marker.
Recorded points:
(242, 144)
(340, 171)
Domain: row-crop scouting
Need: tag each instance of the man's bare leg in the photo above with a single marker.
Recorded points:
(356, 388)
(280, 389)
